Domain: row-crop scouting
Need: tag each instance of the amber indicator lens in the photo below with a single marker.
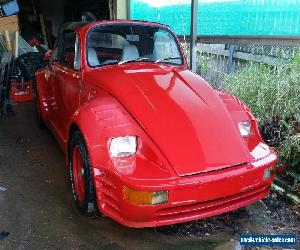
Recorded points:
(145, 197)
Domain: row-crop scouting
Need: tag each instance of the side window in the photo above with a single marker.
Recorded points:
(67, 57)
(77, 54)
(55, 54)
(57, 48)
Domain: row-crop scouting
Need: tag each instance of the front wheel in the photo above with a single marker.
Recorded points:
(81, 177)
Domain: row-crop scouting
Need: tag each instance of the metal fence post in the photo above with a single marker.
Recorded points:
(230, 66)
(193, 40)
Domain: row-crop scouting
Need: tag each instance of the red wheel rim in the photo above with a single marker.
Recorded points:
(78, 174)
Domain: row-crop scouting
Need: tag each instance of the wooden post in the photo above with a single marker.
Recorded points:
(7, 39)
(230, 66)
(16, 44)
(43, 25)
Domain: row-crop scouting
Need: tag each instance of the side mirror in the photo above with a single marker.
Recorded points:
(48, 55)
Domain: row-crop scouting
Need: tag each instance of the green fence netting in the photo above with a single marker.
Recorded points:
(223, 17)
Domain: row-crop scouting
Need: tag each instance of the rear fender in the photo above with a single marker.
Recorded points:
(44, 93)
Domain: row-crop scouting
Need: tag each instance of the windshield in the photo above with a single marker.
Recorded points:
(124, 43)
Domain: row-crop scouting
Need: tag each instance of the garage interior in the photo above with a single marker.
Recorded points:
(57, 12)
(36, 206)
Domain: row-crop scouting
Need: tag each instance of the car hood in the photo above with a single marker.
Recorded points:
(180, 112)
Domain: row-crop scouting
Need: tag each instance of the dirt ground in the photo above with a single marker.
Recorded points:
(36, 209)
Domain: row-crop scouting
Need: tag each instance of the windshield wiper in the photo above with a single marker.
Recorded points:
(135, 60)
(167, 58)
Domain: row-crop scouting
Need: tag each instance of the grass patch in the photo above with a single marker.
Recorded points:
(273, 95)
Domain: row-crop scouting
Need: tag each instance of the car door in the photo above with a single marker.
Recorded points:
(72, 82)
(67, 83)
(69, 75)
(48, 90)
(50, 86)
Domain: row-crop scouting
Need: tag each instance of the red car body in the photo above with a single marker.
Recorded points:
(188, 141)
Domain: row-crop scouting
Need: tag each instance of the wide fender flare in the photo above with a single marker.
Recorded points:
(239, 111)
(99, 120)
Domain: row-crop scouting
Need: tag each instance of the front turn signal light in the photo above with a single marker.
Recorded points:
(145, 197)
(268, 173)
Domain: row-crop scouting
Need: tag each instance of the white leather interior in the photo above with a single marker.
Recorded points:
(92, 57)
(130, 52)
(162, 47)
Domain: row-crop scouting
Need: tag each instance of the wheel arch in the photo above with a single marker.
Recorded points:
(100, 120)
(86, 121)
(73, 127)
(77, 126)
(82, 183)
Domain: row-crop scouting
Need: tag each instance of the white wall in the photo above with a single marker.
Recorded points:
(120, 9)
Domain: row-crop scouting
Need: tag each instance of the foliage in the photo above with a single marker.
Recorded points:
(273, 95)
(268, 91)
(290, 151)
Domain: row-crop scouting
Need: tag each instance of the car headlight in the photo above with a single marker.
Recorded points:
(123, 146)
(245, 128)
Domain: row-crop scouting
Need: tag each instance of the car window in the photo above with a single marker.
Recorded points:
(106, 40)
(77, 60)
(67, 56)
(55, 54)
(57, 48)
(122, 43)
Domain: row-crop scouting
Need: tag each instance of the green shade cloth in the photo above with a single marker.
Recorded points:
(217, 17)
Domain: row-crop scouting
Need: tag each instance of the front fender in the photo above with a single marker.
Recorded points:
(104, 118)
(99, 120)
(240, 112)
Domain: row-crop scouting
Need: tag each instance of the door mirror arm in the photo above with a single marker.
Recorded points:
(48, 55)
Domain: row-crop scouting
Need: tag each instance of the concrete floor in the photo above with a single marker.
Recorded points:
(37, 212)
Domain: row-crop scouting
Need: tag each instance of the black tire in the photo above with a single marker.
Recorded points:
(38, 113)
(87, 205)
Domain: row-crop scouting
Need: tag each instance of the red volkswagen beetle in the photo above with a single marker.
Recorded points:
(148, 142)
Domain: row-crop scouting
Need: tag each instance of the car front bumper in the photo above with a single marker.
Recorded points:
(190, 198)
